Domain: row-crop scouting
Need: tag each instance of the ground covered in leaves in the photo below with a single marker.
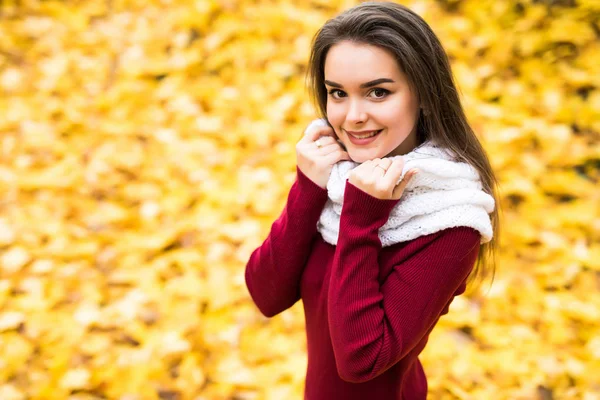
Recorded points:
(147, 146)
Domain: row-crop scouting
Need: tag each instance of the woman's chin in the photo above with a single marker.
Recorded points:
(358, 158)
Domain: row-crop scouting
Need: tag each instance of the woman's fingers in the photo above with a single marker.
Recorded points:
(394, 171)
(314, 133)
(386, 162)
(316, 160)
(336, 152)
(329, 145)
(380, 166)
(327, 141)
(336, 155)
(399, 189)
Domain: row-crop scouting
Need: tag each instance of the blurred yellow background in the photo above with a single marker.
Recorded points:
(147, 146)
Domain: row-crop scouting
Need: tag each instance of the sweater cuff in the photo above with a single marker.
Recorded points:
(309, 187)
(365, 210)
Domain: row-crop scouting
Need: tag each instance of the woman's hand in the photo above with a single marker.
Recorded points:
(378, 178)
(316, 159)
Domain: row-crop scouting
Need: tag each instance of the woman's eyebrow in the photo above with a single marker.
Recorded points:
(363, 85)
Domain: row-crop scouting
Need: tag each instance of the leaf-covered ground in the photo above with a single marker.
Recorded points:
(147, 146)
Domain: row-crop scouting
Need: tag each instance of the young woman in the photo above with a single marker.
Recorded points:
(393, 205)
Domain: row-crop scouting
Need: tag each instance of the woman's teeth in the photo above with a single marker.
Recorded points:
(367, 135)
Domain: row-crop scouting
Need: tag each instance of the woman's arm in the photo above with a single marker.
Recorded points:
(274, 269)
(374, 326)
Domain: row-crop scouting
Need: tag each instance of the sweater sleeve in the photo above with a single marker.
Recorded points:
(274, 269)
(373, 325)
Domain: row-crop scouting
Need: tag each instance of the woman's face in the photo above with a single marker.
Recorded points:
(368, 92)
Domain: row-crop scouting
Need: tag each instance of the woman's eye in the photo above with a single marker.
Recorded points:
(333, 91)
(380, 93)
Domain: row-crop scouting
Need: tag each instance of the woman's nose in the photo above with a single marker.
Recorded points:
(356, 113)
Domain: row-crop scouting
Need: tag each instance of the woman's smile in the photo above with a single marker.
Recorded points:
(364, 137)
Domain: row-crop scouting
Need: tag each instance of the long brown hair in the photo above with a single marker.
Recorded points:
(422, 58)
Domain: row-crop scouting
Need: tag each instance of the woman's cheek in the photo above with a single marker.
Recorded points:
(334, 120)
(332, 113)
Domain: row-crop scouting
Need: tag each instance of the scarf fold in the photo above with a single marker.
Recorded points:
(444, 194)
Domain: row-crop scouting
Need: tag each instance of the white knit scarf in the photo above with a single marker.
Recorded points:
(444, 194)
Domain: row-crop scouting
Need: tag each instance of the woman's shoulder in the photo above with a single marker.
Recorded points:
(460, 235)
(456, 238)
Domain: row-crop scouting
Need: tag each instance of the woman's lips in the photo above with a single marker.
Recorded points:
(362, 142)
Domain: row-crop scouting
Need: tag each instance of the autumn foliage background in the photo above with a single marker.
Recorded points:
(147, 146)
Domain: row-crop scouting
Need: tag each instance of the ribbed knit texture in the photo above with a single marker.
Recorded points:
(285, 251)
(369, 310)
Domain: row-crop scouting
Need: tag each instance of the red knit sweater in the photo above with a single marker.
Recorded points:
(368, 310)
